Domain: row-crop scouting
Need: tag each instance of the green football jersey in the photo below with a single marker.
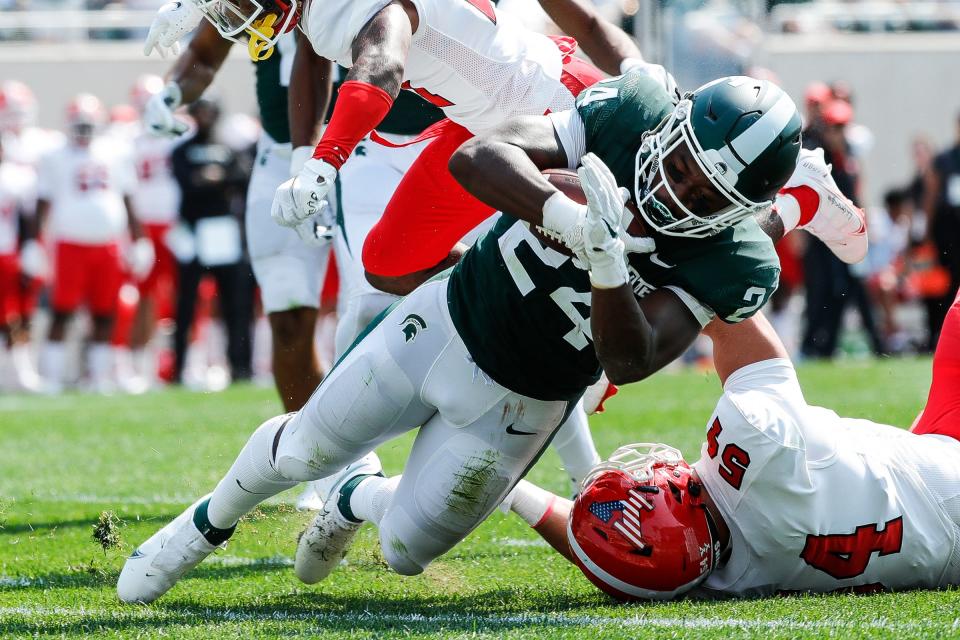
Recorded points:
(523, 309)
(272, 94)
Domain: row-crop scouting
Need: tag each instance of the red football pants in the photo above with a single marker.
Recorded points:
(429, 211)
(941, 415)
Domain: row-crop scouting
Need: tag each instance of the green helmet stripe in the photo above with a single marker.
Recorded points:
(755, 140)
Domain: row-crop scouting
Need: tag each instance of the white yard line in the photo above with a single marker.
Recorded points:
(546, 620)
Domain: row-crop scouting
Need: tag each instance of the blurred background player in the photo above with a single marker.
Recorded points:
(25, 142)
(20, 266)
(157, 202)
(288, 271)
(85, 208)
(211, 180)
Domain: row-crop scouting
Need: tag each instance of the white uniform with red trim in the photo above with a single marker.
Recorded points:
(480, 65)
(156, 198)
(30, 145)
(17, 195)
(816, 502)
(86, 186)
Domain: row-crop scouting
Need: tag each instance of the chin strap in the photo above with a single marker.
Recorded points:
(259, 46)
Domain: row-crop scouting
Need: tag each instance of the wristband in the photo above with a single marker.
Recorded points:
(807, 203)
(560, 213)
(299, 157)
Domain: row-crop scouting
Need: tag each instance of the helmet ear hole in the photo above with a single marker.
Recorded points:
(646, 552)
(677, 494)
(603, 534)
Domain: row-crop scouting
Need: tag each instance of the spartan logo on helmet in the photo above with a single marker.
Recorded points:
(740, 133)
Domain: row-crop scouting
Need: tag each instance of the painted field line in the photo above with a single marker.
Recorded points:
(185, 615)
(94, 498)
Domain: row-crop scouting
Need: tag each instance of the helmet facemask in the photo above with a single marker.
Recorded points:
(262, 22)
(650, 177)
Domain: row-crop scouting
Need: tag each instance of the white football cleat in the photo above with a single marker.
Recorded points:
(159, 563)
(324, 543)
(839, 223)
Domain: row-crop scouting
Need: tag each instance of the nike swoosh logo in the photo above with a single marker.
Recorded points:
(657, 261)
(514, 432)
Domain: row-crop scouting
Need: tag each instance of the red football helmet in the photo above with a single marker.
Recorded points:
(639, 528)
(145, 87)
(18, 106)
(85, 114)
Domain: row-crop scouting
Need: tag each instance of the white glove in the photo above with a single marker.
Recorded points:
(173, 21)
(158, 113)
(33, 260)
(318, 230)
(301, 197)
(563, 221)
(141, 258)
(604, 249)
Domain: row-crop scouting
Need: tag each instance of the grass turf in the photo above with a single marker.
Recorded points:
(65, 460)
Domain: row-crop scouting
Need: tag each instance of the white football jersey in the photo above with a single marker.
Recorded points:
(479, 65)
(86, 187)
(156, 198)
(17, 186)
(816, 502)
(27, 147)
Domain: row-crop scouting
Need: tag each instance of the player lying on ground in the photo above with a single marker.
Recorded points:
(785, 496)
(489, 358)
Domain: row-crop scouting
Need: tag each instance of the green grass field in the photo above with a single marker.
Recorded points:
(65, 460)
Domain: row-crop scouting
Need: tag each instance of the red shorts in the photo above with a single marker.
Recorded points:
(10, 299)
(87, 274)
(164, 272)
(429, 211)
(941, 414)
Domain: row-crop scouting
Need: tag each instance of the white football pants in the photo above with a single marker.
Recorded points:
(477, 440)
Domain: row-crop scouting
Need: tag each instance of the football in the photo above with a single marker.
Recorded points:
(568, 182)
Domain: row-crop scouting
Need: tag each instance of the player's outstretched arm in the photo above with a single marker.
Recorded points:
(607, 44)
(501, 168)
(737, 345)
(196, 68)
(311, 87)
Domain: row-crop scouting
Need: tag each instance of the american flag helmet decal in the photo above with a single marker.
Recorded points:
(625, 515)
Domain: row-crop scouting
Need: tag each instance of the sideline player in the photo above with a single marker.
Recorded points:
(786, 497)
(489, 389)
(288, 271)
(85, 192)
(18, 262)
(157, 201)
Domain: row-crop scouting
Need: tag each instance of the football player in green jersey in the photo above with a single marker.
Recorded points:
(487, 359)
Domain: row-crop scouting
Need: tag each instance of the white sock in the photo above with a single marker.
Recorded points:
(531, 503)
(574, 443)
(101, 362)
(369, 501)
(789, 210)
(251, 480)
(23, 361)
(53, 360)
